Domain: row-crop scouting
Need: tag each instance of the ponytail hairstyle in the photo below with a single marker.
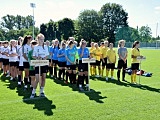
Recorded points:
(55, 45)
(26, 38)
(134, 44)
(120, 42)
(39, 36)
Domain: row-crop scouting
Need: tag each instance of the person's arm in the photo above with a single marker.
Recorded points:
(24, 53)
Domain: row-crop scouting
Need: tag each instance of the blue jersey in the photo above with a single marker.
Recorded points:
(71, 55)
(85, 53)
(49, 49)
(54, 53)
(62, 58)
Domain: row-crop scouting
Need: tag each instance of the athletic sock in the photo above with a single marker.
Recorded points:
(132, 78)
(123, 74)
(71, 78)
(41, 89)
(112, 73)
(67, 75)
(19, 78)
(25, 81)
(74, 78)
(107, 72)
(60, 73)
(51, 70)
(63, 72)
(91, 71)
(87, 80)
(118, 74)
(102, 71)
(33, 91)
(55, 71)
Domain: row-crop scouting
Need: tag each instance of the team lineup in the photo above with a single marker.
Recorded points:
(65, 61)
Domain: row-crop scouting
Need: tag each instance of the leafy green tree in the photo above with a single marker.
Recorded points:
(50, 32)
(127, 33)
(113, 16)
(8, 22)
(89, 26)
(66, 28)
(43, 30)
(145, 33)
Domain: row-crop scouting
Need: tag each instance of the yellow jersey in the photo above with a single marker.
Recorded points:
(135, 52)
(111, 55)
(91, 50)
(104, 51)
(97, 53)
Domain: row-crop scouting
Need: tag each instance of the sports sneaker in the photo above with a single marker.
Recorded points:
(42, 95)
(97, 75)
(87, 88)
(112, 78)
(106, 78)
(11, 78)
(81, 89)
(32, 96)
(51, 76)
(66, 82)
(8, 75)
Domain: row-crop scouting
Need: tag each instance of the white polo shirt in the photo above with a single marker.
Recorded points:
(12, 51)
(25, 49)
(5, 49)
(39, 51)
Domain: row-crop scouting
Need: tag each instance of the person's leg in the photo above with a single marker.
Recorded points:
(74, 75)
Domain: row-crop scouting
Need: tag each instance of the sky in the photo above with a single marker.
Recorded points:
(140, 12)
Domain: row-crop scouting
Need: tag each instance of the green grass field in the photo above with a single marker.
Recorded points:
(106, 100)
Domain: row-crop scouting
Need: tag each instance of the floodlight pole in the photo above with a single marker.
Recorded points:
(33, 5)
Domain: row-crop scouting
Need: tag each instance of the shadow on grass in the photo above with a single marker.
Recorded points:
(92, 94)
(128, 84)
(41, 104)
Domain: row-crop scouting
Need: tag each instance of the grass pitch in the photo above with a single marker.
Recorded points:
(106, 100)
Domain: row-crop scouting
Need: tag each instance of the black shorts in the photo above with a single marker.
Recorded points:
(17, 64)
(5, 61)
(0, 59)
(55, 62)
(43, 69)
(98, 63)
(135, 66)
(110, 66)
(82, 66)
(71, 67)
(122, 64)
(31, 72)
(21, 68)
(26, 65)
(61, 64)
(11, 64)
(105, 62)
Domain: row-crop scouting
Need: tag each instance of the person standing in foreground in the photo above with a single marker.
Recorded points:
(71, 61)
(111, 57)
(31, 68)
(83, 52)
(122, 61)
(25, 50)
(135, 63)
(40, 52)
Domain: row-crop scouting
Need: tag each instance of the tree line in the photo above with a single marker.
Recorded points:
(110, 22)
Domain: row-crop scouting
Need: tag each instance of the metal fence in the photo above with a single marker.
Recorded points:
(153, 45)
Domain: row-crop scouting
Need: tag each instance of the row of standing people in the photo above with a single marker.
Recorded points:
(16, 57)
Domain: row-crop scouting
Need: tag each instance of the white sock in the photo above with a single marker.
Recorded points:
(33, 91)
(19, 83)
(80, 85)
(41, 90)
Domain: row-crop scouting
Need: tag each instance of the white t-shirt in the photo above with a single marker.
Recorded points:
(15, 58)
(25, 49)
(5, 49)
(20, 56)
(18, 47)
(39, 51)
(1, 48)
